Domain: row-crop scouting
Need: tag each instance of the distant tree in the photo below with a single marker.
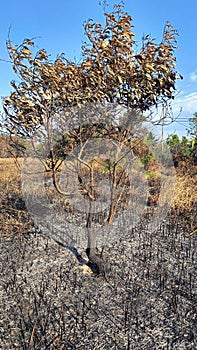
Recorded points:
(192, 130)
(12, 146)
(181, 149)
(4, 145)
(173, 141)
(111, 71)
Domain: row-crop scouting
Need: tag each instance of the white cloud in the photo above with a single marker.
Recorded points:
(187, 103)
(183, 108)
(193, 77)
(188, 106)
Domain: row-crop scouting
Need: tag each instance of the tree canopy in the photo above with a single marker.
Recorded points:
(112, 69)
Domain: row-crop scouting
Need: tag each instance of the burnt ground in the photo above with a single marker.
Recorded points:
(146, 299)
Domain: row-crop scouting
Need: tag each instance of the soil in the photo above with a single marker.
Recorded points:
(146, 299)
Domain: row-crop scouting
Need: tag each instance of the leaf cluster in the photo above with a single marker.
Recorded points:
(112, 69)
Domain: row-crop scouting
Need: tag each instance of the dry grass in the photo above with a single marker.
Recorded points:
(13, 216)
(185, 192)
(10, 169)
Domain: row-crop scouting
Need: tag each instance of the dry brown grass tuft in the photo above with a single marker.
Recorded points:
(184, 204)
(185, 198)
(14, 218)
(10, 169)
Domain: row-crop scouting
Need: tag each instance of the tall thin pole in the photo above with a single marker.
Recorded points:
(162, 128)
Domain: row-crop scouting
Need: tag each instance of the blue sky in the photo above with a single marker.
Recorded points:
(59, 26)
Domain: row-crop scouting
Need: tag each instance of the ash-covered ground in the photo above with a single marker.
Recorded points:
(145, 300)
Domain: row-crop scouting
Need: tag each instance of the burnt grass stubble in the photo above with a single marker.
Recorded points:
(146, 300)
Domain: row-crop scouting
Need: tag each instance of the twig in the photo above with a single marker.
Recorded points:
(193, 232)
